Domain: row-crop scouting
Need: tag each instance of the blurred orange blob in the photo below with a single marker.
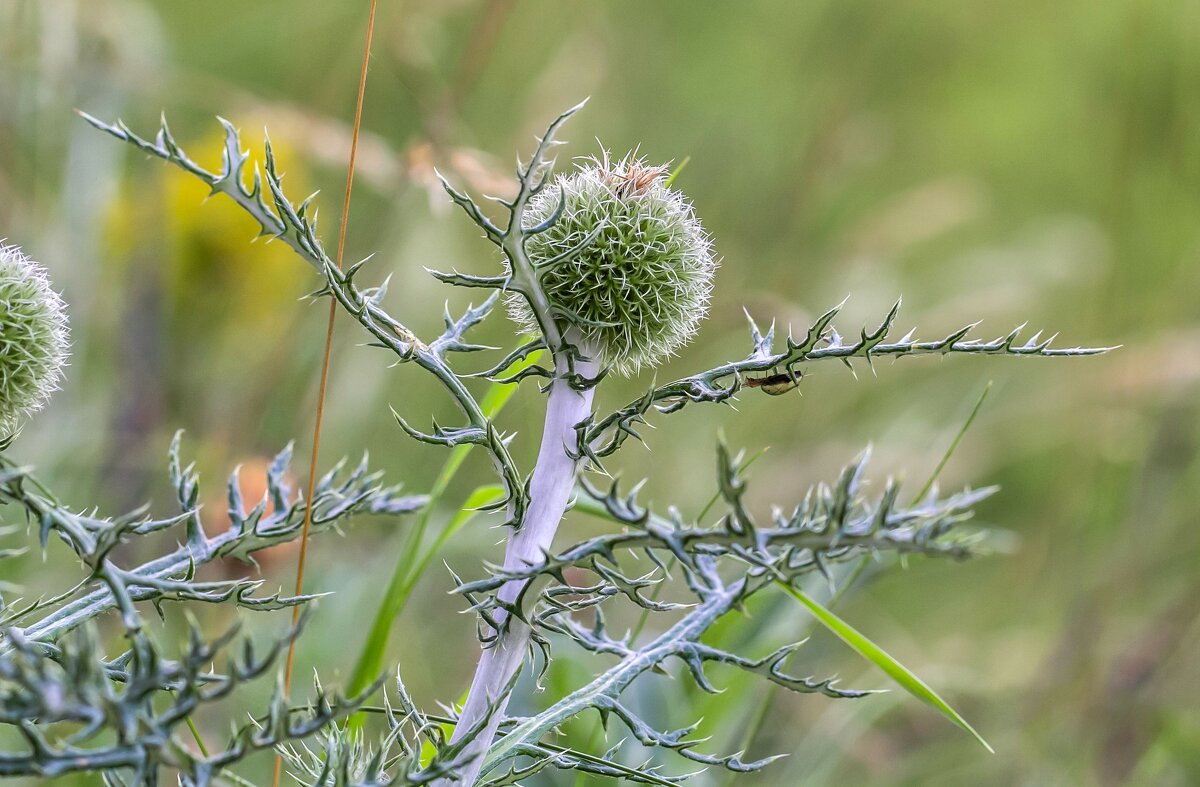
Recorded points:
(252, 483)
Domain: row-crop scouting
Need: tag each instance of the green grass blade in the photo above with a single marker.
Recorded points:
(937, 471)
(675, 172)
(880, 658)
(411, 562)
(481, 496)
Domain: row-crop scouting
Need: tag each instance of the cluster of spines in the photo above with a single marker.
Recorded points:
(33, 338)
(626, 262)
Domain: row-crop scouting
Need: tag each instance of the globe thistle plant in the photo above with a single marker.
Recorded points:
(33, 338)
(604, 268)
(641, 283)
(623, 266)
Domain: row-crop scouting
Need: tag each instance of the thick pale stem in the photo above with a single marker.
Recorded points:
(549, 491)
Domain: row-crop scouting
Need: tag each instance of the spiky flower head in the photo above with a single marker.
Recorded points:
(639, 288)
(33, 338)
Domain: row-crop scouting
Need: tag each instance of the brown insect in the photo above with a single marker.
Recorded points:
(776, 384)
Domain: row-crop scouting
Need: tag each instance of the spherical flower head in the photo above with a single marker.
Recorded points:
(638, 290)
(33, 338)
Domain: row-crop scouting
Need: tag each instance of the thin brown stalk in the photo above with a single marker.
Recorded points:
(324, 384)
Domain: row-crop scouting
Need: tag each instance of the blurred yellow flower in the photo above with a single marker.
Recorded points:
(210, 271)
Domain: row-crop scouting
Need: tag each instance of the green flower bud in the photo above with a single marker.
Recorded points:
(33, 338)
(638, 290)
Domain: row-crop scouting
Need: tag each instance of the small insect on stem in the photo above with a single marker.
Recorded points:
(776, 384)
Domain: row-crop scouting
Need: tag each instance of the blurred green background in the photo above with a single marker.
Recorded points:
(997, 161)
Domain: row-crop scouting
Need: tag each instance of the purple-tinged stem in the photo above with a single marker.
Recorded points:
(549, 492)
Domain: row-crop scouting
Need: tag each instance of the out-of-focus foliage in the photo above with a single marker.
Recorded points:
(1005, 160)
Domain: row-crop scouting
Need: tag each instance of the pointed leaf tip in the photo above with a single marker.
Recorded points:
(880, 658)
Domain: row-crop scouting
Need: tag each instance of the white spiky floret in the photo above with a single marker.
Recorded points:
(638, 290)
(33, 338)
